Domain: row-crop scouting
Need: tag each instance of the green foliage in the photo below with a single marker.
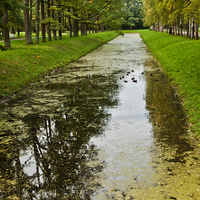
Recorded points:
(180, 58)
(55, 25)
(13, 6)
(168, 12)
(133, 18)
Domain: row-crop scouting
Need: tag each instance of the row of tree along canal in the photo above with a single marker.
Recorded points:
(57, 16)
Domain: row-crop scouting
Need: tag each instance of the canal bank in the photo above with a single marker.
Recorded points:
(179, 56)
(109, 126)
(23, 64)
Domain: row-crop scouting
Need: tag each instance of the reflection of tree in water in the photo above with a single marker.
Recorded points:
(50, 160)
(167, 116)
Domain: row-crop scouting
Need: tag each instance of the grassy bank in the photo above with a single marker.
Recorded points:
(180, 58)
(24, 64)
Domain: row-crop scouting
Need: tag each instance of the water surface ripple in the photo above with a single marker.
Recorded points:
(108, 126)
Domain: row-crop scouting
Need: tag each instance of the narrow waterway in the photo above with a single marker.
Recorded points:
(109, 126)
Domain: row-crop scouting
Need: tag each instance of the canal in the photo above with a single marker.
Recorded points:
(108, 126)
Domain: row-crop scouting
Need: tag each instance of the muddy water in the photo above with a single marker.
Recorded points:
(109, 126)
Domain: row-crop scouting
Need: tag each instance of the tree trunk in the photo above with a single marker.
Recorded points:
(170, 30)
(181, 26)
(59, 21)
(102, 28)
(85, 28)
(188, 28)
(70, 24)
(89, 29)
(197, 32)
(178, 26)
(27, 22)
(31, 21)
(37, 21)
(53, 16)
(176, 29)
(18, 32)
(49, 25)
(173, 31)
(93, 31)
(43, 18)
(75, 24)
(82, 29)
(193, 29)
(6, 30)
(158, 26)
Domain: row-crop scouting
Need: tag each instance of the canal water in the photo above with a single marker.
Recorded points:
(109, 126)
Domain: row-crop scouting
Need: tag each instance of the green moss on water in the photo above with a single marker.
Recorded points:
(24, 64)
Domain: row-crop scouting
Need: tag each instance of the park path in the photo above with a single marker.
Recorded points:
(13, 39)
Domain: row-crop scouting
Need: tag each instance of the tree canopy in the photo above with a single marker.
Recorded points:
(55, 16)
(174, 15)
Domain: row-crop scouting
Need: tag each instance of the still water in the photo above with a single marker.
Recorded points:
(108, 126)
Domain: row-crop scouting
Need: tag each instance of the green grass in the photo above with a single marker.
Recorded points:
(180, 58)
(130, 31)
(24, 64)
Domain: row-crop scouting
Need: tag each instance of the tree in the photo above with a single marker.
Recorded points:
(49, 15)
(59, 20)
(53, 17)
(37, 20)
(133, 16)
(27, 23)
(43, 23)
(6, 28)
(173, 14)
(9, 8)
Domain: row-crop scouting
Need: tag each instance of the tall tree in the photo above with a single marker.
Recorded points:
(43, 26)
(6, 28)
(9, 15)
(59, 20)
(27, 23)
(53, 17)
(70, 23)
(75, 24)
(49, 24)
(37, 20)
(172, 14)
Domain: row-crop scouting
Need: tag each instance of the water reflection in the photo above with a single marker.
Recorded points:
(87, 133)
(45, 133)
(175, 157)
(167, 114)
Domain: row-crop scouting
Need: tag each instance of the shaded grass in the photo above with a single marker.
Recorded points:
(24, 64)
(180, 58)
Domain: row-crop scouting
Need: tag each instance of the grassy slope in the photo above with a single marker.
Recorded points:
(26, 63)
(180, 58)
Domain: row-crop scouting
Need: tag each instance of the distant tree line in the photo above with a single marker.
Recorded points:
(178, 17)
(53, 17)
(134, 15)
